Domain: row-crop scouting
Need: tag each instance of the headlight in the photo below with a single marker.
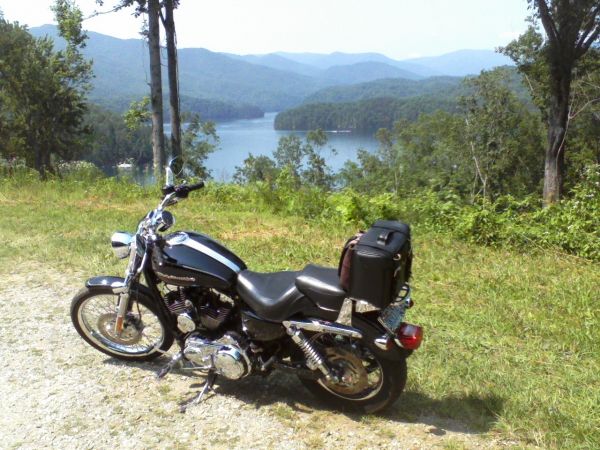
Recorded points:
(166, 221)
(121, 244)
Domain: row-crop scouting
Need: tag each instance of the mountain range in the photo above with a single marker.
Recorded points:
(248, 84)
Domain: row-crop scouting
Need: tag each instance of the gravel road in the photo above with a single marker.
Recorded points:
(57, 392)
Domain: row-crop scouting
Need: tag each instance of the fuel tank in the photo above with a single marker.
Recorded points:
(186, 258)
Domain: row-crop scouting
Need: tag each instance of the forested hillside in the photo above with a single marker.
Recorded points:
(365, 71)
(363, 116)
(226, 86)
(389, 87)
(463, 62)
(121, 75)
(361, 107)
(326, 61)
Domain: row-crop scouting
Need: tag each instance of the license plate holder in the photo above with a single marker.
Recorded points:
(392, 317)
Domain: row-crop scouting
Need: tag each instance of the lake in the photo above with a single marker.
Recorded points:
(257, 136)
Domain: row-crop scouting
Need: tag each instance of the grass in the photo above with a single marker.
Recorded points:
(512, 340)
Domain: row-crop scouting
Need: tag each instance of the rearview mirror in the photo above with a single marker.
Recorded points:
(173, 169)
(169, 177)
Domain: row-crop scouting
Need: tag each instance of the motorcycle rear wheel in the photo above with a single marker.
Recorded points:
(373, 383)
(144, 335)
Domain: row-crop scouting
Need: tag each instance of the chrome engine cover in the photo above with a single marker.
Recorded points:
(226, 356)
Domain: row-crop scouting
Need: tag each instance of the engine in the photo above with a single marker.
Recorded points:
(198, 308)
(227, 355)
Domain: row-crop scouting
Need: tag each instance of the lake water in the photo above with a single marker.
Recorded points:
(257, 136)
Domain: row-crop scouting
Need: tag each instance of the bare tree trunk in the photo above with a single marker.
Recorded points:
(558, 121)
(158, 138)
(169, 24)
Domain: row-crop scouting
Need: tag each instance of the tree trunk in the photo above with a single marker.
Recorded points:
(38, 159)
(173, 80)
(558, 122)
(158, 138)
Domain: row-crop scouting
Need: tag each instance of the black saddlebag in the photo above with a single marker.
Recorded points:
(380, 263)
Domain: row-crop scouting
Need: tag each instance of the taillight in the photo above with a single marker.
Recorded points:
(409, 336)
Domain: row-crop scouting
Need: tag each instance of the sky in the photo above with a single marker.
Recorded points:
(400, 29)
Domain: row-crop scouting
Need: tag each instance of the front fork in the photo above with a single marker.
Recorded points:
(131, 273)
(121, 312)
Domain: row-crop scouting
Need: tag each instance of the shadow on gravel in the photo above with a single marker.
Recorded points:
(466, 414)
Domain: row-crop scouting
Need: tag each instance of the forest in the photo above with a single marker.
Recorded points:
(363, 116)
(366, 107)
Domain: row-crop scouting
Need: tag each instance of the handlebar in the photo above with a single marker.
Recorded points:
(189, 188)
(183, 190)
(171, 194)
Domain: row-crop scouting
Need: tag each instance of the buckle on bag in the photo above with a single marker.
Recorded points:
(383, 237)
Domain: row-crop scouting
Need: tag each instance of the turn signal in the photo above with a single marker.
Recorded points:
(409, 336)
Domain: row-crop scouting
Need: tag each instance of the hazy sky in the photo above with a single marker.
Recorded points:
(397, 28)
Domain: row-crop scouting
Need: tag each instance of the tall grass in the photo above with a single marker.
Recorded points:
(512, 338)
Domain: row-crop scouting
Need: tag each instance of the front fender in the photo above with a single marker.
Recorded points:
(114, 285)
(106, 283)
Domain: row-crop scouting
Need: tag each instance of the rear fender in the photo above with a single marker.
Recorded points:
(368, 325)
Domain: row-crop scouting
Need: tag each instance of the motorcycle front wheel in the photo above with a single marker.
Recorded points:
(144, 336)
(369, 383)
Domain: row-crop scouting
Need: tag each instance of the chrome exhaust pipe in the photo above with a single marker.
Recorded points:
(319, 326)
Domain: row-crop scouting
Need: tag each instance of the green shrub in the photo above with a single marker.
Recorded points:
(79, 171)
(15, 170)
(571, 226)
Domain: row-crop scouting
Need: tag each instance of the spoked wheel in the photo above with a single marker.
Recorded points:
(144, 336)
(361, 374)
(366, 381)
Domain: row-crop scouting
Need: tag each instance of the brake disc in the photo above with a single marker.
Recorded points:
(353, 374)
(131, 334)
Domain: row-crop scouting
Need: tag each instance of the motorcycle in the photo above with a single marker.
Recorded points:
(232, 322)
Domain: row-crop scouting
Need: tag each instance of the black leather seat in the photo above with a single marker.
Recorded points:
(279, 295)
(273, 296)
(322, 285)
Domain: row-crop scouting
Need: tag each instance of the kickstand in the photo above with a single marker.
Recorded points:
(169, 366)
(210, 381)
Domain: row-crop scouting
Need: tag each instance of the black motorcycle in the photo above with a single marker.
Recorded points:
(341, 330)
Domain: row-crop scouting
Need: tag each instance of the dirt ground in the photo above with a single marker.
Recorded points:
(57, 392)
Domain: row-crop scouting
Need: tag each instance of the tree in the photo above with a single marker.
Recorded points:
(492, 146)
(369, 174)
(158, 137)
(198, 141)
(255, 169)
(172, 66)
(289, 153)
(43, 92)
(553, 61)
(503, 137)
(115, 141)
(152, 9)
(303, 159)
(298, 161)
(434, 153)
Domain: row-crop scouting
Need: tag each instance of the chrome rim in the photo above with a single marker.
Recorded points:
(142, 330)
(360, 372)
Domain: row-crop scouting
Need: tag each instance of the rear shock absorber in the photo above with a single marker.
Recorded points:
(314, 360)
